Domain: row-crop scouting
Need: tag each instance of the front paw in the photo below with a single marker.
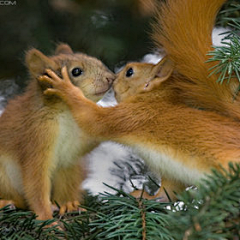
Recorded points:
(52, 82)
(56, 85)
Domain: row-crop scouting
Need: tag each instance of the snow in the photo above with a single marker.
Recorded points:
(218, 34)
(101, 161)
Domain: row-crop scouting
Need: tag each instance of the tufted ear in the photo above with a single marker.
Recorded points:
(37, 62)
(64, 49)
(161, 72)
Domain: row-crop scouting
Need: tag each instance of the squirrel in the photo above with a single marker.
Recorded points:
(182, 128)
(40, 144)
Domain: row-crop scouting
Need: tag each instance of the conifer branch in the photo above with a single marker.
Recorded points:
(210, 212)
(227, 56)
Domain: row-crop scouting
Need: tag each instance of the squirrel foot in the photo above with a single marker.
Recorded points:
(70, 206)
(4, 203)
(160, 196)
(55, 225)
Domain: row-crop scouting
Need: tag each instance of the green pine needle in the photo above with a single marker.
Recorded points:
(228, 57)
(210, 212)
(125, 217)
(230, 12)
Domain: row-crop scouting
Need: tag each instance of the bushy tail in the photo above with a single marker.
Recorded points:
(184, 29)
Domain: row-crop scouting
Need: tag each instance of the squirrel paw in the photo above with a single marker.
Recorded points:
(161, 196)
(60, 87)
(70, 206)
(4, 203)
(55, 225)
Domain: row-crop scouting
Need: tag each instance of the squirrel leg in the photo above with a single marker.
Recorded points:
(67, 190)
(37, 191)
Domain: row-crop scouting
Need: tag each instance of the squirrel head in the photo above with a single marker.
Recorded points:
(137, 78)
(85, 72)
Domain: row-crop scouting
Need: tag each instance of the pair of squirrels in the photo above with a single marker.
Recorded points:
(173, 114)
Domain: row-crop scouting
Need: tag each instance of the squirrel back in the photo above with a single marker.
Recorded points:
(184, 29)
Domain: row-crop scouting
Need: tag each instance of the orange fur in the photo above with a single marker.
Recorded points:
(179, 142)
(40, 144)
(160, 106)
(184, 30)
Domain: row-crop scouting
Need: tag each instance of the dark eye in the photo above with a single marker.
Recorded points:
(129, 72)
(77, 72)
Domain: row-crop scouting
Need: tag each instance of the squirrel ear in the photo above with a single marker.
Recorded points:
(162, 71)
(37, 62)
(63, 48)
(164, 68)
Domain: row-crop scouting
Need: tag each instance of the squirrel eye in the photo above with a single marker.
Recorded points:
(129, 72)
(77, 72)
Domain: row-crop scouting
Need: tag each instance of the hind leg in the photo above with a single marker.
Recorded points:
(67, 190)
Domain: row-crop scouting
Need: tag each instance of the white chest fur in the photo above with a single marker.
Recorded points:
(163, 164)
(10, 172)
(70, 142)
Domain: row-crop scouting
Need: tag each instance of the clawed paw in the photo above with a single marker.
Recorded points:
(59, 86)
(53, 79)
(70, 207)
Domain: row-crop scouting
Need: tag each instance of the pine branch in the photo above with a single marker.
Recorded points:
(125, 217)
(212, 211)
(209, 212)
(228, 57)
(230, 12)
(18, 224)
(23, 225)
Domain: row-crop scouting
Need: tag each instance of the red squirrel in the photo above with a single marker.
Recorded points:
(160, 112)
(40, 143)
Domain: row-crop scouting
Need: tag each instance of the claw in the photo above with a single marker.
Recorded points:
(70, 207)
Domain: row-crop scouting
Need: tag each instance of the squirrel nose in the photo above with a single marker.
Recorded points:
(110, 80)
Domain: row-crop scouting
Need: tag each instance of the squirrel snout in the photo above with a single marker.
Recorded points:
(110, 79)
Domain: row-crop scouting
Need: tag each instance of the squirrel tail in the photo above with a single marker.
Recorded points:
(184, 29)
